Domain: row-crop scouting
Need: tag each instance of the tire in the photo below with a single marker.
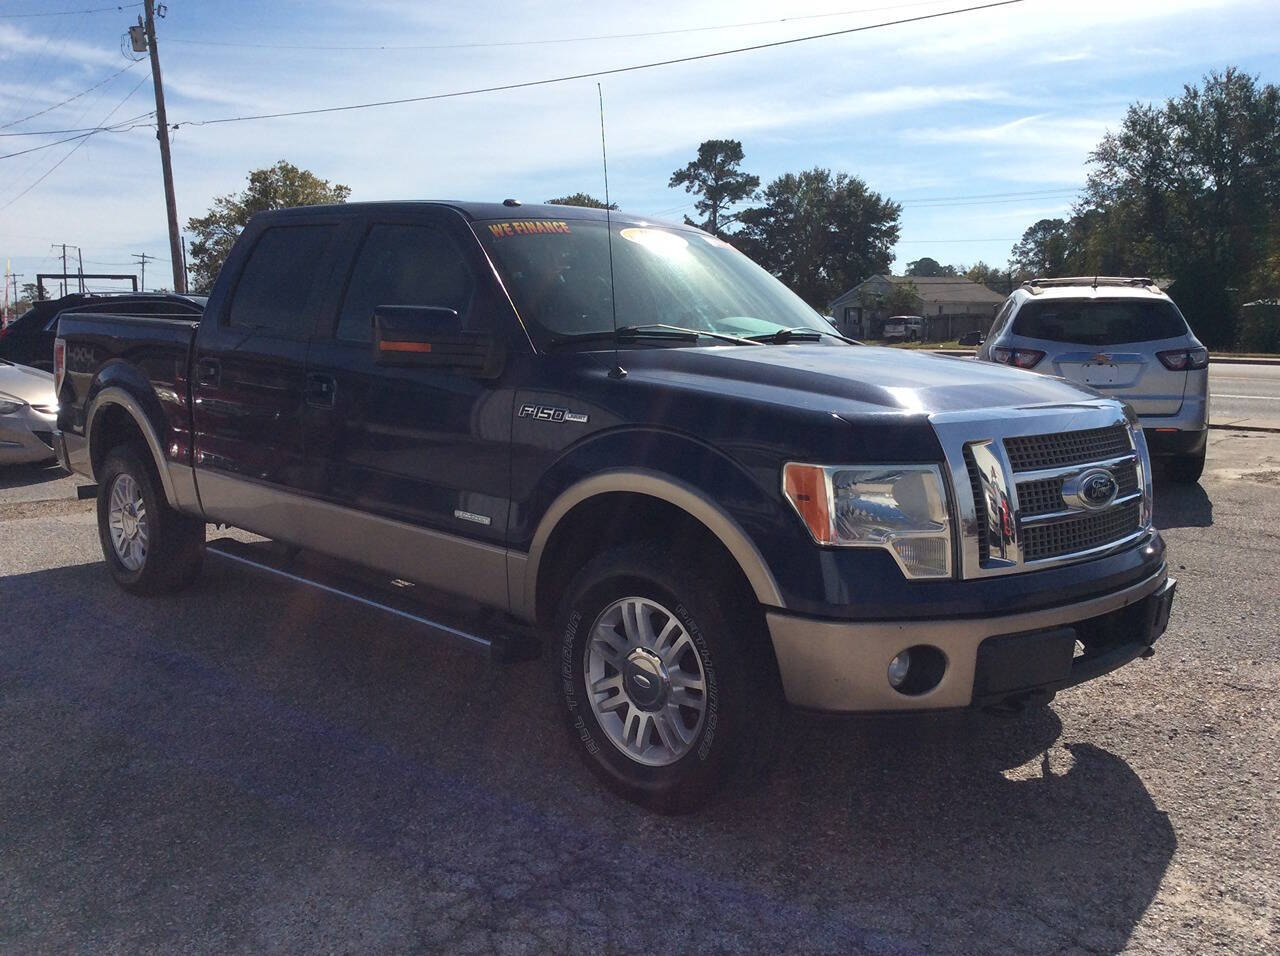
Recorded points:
(1186, 469)
(151, 549)
(707, 664)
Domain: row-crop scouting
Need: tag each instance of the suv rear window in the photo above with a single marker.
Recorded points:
(1099, 321)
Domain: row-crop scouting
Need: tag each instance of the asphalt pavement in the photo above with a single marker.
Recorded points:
(1244, 394)
(248, 766)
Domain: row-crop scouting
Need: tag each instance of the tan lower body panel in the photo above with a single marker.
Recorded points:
(843, 665)
(472, 569)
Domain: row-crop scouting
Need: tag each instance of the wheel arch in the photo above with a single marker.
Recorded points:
(617, 491)
(116, 417)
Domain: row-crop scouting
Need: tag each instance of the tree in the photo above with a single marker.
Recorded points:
(929, 268)
(994, 279)
(1188, 190)
(716, 177)
(277, 187)
(1042, 250)
(581, 199)
(903, 299)
(820, 233)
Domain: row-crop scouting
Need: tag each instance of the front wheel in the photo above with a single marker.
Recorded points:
(668, 683)
(149, 547)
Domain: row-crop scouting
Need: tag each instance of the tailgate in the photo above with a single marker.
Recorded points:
(1134, 377)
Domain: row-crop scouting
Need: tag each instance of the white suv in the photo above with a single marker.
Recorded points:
(1123, 337)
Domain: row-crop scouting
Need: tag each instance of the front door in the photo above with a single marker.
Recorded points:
(416, 459)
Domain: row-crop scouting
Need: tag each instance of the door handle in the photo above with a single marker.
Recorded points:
(321, 390)
(208, 371)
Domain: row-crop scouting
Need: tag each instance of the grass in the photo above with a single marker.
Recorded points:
(921, 345)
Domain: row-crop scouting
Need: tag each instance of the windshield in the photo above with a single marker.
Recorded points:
(1100, 321)
(558, 274)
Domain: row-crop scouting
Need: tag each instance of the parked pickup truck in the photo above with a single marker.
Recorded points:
(630, 439)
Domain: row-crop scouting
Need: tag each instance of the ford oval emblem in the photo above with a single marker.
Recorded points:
(1092, 489)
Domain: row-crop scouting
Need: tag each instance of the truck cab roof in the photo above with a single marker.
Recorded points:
(471, 210)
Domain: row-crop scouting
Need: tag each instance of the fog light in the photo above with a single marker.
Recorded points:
(899, 668)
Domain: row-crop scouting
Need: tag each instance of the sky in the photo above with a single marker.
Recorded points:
(979, 124)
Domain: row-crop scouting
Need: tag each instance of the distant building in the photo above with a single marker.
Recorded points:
(951, 306)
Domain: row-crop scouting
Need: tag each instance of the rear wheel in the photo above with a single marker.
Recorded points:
(149, 547)
(1187, 469)
(666, 676)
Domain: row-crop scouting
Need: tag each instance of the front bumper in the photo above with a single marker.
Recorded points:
(26, 436)
(842, 666)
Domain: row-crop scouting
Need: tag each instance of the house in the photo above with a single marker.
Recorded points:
(950, 305)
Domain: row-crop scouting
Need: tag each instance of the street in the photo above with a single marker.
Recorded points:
(1244, 394)
(250, 766)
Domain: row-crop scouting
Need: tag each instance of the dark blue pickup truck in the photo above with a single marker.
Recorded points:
(629, 439)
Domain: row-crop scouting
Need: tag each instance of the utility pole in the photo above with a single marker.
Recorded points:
(162, 133)
(64, 268)
(10, 277)
(80, 270)
(142, 258)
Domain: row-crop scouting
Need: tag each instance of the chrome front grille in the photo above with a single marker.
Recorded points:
(1023, 480)
(1085, 533)
(1037, 452)
(975, 486)
(1044, 496)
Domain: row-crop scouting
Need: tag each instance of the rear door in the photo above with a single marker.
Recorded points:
(249, 371)
(1110, 345)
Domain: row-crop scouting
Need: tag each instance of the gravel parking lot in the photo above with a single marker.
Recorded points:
(248, 766)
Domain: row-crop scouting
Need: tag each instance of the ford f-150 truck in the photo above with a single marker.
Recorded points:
(630, 439)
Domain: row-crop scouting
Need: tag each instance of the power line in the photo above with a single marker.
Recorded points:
(120, 127)
(548, 41)
(66, 13)
(596, 73)
(75, 129)
(50, 109)
(71, 152)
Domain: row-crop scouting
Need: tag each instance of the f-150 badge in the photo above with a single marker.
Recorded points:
(550, 413)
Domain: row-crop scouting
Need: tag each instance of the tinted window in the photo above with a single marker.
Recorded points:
(1100, 321)
(404, 265)
(279, 280)
(558, 272)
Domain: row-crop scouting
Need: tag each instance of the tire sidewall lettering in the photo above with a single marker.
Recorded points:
(712, 717)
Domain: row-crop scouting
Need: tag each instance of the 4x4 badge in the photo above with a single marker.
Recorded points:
(550, 413)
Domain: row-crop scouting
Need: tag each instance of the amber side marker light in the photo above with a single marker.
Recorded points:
(806, 488)
(404, 346)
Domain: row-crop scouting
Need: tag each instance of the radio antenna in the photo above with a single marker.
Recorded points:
(618, 370)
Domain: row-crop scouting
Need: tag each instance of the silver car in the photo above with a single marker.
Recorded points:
(1123, 337)
(28, 411)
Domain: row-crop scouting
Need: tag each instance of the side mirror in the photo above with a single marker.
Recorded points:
(428, 336)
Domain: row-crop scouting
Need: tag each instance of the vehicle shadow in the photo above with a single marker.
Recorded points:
(250, 765)
(1180, 505)
(17, 476)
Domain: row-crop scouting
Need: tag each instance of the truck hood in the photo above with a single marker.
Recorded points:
(32, 385)
(857, 380)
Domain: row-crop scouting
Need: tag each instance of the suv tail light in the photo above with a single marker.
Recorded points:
(1022, 358)
(59, 364)
(1184, 360)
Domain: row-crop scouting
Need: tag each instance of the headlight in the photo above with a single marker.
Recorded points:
(899, 507)
(9, 404)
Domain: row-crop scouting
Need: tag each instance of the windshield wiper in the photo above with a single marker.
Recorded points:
(657, 331)
(801, 333)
